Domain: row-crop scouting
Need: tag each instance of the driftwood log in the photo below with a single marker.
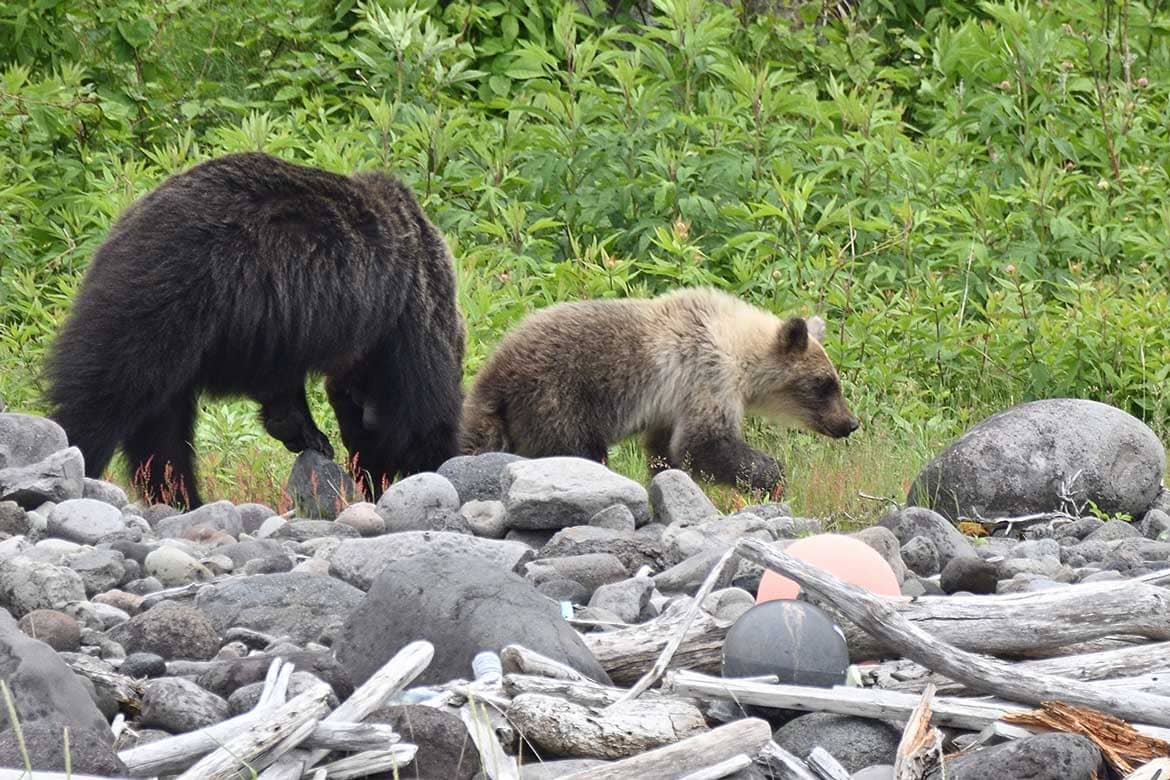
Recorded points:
(702, 751)
(394, 675)
(920, 749)
(517, 659)
(479, 720)
(823, 765)
(262, 743)
(722, 769)
(881, 619)
(624, 728)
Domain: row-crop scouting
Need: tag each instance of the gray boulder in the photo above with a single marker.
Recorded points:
(43, 687)
(675, 498)
(100, 569)
(26, 439)
(26, 585)
(1040, 757)
(169, 630)
(563, 492)
(855, 742)
(359, 561)
(90, 752)
(628, 599)
(616, 518)
(363, 517)
(1155, 525)
(299, 606)
(1020, 460)
(106, 492)
(178, 705)
(921, 556)
(591, 570)
(318, 487)
(56, 629)
(58, 477)
(86, 521)
(886, 544)
(488, 519)
(973, 575)
(462, 605)
(418, 503)
(478, 477)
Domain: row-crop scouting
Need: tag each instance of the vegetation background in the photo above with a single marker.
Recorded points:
(974, 195)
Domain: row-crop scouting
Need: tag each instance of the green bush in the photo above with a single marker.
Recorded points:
(972, 196)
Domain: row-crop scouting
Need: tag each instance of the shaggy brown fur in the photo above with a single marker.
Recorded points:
(683, 368)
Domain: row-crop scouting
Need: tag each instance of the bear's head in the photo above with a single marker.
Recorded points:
(795, 380)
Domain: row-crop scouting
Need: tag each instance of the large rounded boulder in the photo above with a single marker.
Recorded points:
(1030, 457)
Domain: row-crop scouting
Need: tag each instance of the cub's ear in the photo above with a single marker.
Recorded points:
(794, 335)
(816, 328)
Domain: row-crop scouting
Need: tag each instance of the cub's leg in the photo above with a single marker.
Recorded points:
(722, 455)
(657, 446)
(287, 419)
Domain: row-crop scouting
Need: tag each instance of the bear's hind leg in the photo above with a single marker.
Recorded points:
(287, 419)
(657, 446)
(360, 441)
(161, 455)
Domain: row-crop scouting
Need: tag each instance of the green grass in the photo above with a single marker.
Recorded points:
(973, 195)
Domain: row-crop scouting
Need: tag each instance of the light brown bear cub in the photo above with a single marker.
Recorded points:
(682, 368)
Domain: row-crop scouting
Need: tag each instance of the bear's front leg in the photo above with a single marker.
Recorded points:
(287, 419)
(725, 457)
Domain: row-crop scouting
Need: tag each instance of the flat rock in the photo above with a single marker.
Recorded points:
(628, 599)
(478, 477)
(1155, 525)
(418, 503)
(1021, 460)
(921, 556)
(43, 687)
(359, 561)
(591, 570)
(318, 488)
(220, 516)
(299, 606)
(688, 575)
(563, 492)
(86, 521)
(681, 541)
(241, 552)
(855, 742)
(56, 478)
(445, 749)
(632, 549)
(172, 631)
(616, 518)
(473, 606)
(1039, 757)
(178, 705)
(1113, 530)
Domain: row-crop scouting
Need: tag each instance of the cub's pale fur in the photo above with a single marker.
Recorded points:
(682, 368)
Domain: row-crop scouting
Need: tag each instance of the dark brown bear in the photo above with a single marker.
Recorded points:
(683, 368)
(240, 277)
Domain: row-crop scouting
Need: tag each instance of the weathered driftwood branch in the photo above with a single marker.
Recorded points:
(680, 634)
(722, 769)
(877, 616)
(1129, 661)
(588, 693)
(778, 762)
(517, 659)
(627, 654)
(368, 763)
(126, 690)
(262, 743)
(350, 737)
(395, 675)
(174, 754)
(920, 749)
(564, 728)
(745, 736)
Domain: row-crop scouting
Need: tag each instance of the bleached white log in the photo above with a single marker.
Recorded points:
(517, 659)
(722, 769)
(878, 617)
(920, 749)
(780, 763)
(262, 743)
(174, 754)
(960, 713)
(745, 736)
(626, 728)
(351, 737)
(395, 674)
(369, 762)
(587, 692)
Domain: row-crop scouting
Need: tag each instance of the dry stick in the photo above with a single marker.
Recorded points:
(368, 763)
(682, 758)
(395, 675)
(496, 764)
(264, 742)
(824, 766)
(722, 769)
(663, 661)
(920, 749)
(879, 618)
(778, 762)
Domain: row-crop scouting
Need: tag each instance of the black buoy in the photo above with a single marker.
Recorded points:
(793, 640)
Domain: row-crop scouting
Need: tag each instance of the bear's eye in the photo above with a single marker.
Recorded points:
(825, 386)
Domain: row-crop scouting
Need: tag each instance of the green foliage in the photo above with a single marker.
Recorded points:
(972, 196)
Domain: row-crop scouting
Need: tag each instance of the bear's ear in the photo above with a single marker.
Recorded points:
(816, 328)
(794, 335)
